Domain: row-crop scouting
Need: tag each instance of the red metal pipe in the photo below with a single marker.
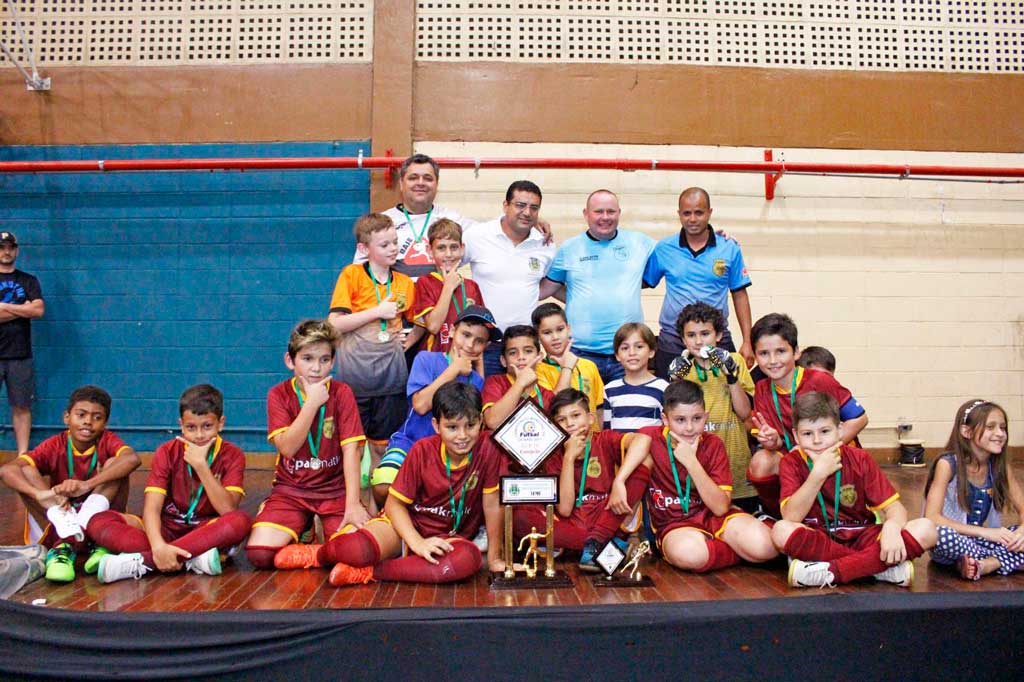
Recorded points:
(382, 162)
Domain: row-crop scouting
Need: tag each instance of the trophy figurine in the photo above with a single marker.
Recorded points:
(615, 564)
(638, 553)
(532, 536)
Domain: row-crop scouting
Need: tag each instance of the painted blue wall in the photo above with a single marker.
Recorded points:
(157, 281)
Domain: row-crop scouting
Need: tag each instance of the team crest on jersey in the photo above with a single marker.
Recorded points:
(847, 495)
(621, 253)
(400, 300)
(329, 427)
(594, 468)
(471, 482)
(534, 264)
(719, 267)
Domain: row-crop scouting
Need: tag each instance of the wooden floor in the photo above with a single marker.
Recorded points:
(241, 588)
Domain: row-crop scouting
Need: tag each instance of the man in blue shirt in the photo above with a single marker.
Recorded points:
(698, 266)
(602, 271)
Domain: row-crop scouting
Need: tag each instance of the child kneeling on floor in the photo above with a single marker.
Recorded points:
(447, 487)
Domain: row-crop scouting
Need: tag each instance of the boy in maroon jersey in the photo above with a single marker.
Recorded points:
(586, 467)
(447, 487)
(774, 337)
(443, 294)
(830, 493)
(690, 489)
(190, 511)
(520, 354)
(88, 468)
(313, 422)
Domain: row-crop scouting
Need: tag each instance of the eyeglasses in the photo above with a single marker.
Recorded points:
(522, 206)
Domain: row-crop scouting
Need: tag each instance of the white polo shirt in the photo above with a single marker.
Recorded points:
(414, 255)
(508, 274)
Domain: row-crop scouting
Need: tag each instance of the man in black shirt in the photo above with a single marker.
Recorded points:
(21, 299)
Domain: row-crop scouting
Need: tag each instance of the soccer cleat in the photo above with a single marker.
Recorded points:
(114, 567)
(207, 563)
(297, 556)
(65, 523)
(901, 574)
(810, 574)
(481, 539)
(60, 564)
(92, 564)
(588, 556)
(343, 574)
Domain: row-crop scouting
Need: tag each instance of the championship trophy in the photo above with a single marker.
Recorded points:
(529, 436)
(613, 560)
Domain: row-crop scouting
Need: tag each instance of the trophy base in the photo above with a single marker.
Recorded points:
(560, 580)
(620, 581)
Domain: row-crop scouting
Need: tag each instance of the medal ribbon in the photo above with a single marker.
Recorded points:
(456, 513)
(194, 502)
(702, 373)
(376, 293)
(684, 501)
(576, 370)
(71, 461)
(821, 499)
(314, 450)
(417, 236)
(583, 477)
(778, 411)
(455, 301)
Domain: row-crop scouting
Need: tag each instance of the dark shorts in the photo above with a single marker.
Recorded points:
(20, 378)
(382, 415)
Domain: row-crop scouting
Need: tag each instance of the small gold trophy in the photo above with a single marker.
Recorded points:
(616, 563)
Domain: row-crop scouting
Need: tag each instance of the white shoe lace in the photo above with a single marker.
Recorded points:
(819, 575)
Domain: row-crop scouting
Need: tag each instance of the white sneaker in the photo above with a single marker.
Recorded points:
(65, 523)
(901, 574)
(207, 563)
(481, 539)
(114, 567)
(810, 574)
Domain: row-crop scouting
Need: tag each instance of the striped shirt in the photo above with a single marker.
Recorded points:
(630, 408)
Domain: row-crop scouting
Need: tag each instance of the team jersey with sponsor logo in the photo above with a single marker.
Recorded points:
(50, 458)
(170, 476)
(428, 293)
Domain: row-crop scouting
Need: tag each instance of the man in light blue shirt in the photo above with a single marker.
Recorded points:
(698, 266)
(602, 271)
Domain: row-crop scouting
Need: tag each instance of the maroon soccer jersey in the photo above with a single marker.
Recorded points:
(428, 291)
(664, 501)
(169, 475)
(50, 457)
(497, 385)
(863, 488)
(303, 475)
(807, 380)
(605, 456)
(422, 483)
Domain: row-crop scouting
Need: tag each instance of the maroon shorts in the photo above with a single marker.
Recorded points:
(292, 514)
(703, 521)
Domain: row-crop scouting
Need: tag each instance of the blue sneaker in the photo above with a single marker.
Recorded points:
(588, 557)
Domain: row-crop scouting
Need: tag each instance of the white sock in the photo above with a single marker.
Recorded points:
(94, 504)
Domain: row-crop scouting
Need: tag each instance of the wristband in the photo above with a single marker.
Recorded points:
(731, 378)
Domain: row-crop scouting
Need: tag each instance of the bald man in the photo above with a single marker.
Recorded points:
(698, 266)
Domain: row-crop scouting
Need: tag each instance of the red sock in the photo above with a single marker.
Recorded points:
(567, 534)
(605, 523)
(110, 530)
(914, 548)
(720, 555)
(768, 490)
(261, 557)
(807, 544)
(458, 564)
(355, 549)
(636, 485)
(222, 533)
(868, 561)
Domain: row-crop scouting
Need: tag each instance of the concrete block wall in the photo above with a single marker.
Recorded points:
(916, 286)
(157, 281)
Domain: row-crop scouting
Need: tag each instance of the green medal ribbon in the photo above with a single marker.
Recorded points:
(583, 477)
(540, 398)
(684, 501)
(199, 492)
(778, 410)
(576, 369)
(71, 461)
(417, 236)
(455, 301)
(702, 373)
(821, 499)
(314, 450)
(456, 513)
(376, 293)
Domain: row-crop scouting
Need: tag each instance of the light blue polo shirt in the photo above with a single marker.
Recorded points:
(706, 276)
(602, 281)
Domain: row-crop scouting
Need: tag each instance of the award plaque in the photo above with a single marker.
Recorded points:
(529, 435)
(613, 560)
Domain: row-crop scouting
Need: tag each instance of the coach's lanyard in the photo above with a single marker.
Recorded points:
(376, 293)
(417, 236)
(71, 461)
(314, 450)
(684, 501)
(821, 498)
(792, 402)
(576, 370)
(583, 475)
(194, 502)
(456, 513)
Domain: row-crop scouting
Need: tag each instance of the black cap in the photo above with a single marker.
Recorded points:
(478, 313)
(8, 237)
